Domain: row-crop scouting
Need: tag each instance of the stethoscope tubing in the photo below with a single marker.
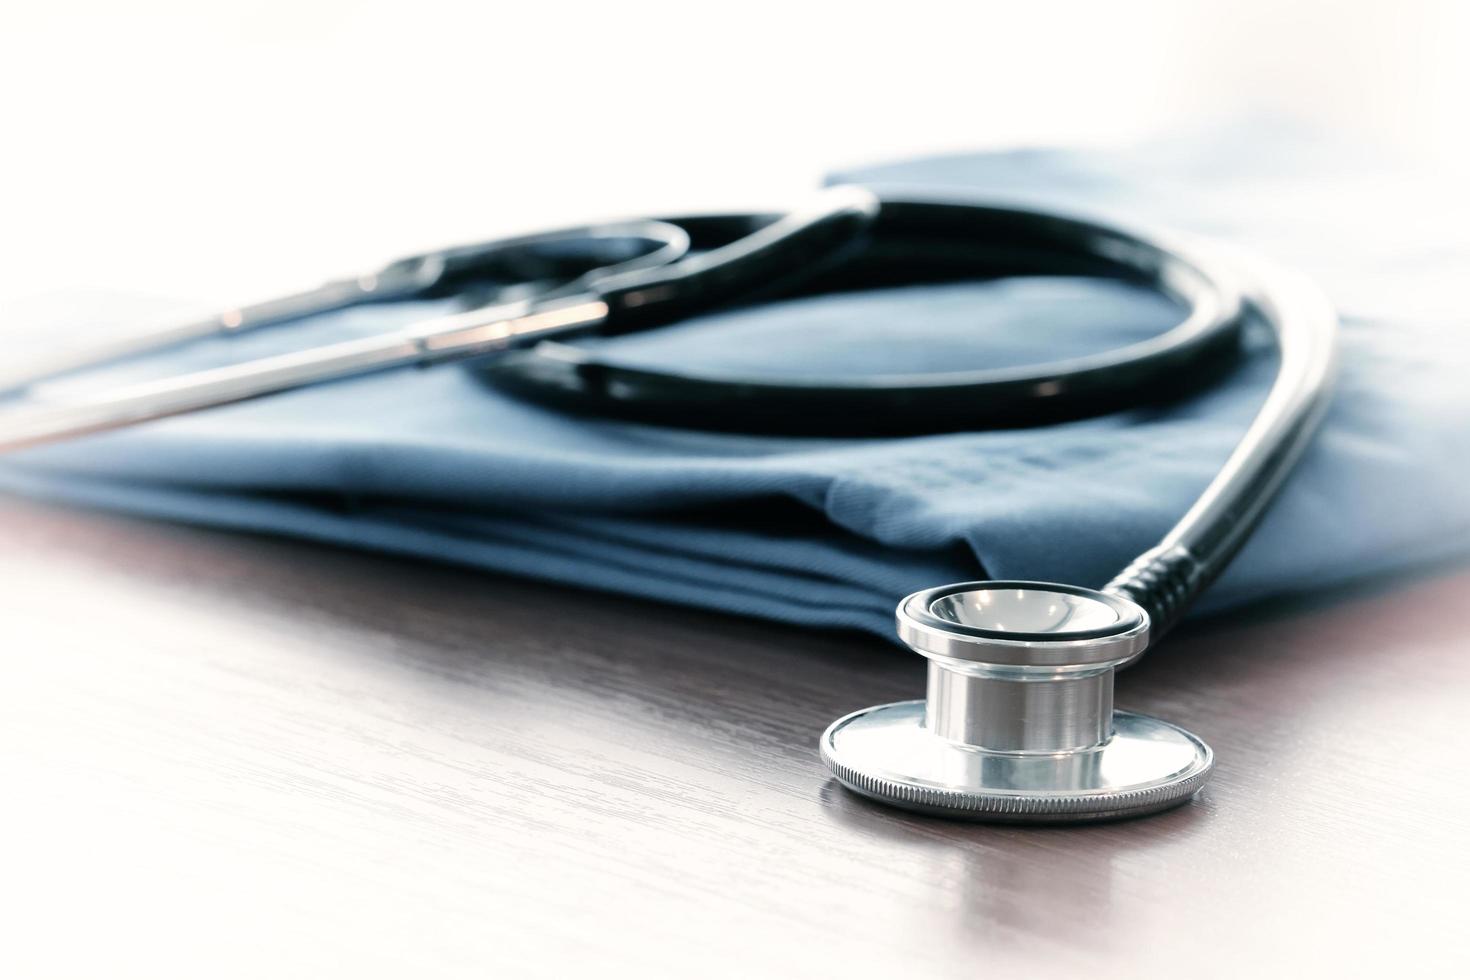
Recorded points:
(1195, 551)
(758, 257)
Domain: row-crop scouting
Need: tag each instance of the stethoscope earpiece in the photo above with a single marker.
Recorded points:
(1018, 724)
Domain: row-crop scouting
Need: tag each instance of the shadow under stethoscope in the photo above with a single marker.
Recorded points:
(1013, 883)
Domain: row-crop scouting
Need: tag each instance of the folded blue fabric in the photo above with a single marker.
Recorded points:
(832, 532)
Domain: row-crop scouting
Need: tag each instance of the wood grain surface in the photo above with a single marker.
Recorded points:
(230, 756)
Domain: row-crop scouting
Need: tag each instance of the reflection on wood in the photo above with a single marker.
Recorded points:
(230, 756)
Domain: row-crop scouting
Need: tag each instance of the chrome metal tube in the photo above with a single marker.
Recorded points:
(463, 335)
(326, 298)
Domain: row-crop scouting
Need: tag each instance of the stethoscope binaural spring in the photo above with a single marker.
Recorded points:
(1018, 721)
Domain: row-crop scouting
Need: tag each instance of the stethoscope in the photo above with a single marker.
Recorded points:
(1018, 721)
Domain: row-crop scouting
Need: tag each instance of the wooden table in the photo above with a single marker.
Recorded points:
(233, 756)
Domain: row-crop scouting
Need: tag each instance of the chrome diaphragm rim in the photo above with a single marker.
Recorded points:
(886, 754)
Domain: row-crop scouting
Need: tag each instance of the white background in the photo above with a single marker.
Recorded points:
(218, 154)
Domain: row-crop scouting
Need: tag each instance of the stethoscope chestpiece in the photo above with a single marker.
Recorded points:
(1018, 724)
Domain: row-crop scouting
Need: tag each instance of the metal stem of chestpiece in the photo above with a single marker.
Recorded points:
(1016, 713)
(1018, 723)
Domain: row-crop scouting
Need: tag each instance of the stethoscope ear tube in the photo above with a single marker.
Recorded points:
(545, 264)
(906, 240)
(788, 250)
